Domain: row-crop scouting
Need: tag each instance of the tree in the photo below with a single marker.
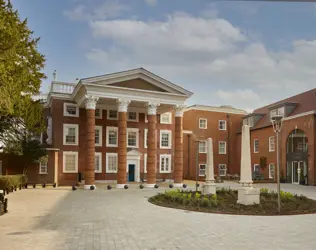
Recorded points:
(20, 64)
(20, 78)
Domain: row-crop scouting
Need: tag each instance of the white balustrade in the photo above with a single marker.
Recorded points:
(62, 87)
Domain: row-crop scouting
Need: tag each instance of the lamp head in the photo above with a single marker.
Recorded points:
(277, 122)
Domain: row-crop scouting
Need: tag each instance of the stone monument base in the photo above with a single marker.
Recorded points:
(248, 196)
(209, 188)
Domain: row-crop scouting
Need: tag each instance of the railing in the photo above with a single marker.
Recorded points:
(62, 87)
(40, 97)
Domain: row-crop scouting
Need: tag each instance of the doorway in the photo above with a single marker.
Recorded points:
(295, 172)
(131, 172)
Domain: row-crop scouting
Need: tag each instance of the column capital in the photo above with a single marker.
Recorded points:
(91, 101)
(122, 104)
(152, 108)
(179, 110)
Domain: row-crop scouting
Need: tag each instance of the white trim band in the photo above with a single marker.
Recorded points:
(149, 185)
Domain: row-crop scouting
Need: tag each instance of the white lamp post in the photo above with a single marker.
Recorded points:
(277, 125)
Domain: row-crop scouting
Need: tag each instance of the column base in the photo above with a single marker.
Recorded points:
(178, 185)
(120, 185)
(87, 187)
(209, 188)
(147, 185)
(248, 196)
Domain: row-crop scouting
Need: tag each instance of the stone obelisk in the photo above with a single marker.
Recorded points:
(209, 187)
(247, 194)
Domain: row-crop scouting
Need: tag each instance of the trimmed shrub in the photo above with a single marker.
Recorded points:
(12, 181)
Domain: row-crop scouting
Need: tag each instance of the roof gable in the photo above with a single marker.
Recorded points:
(137, 79)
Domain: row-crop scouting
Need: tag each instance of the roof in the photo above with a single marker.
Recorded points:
(138, 71)
(222, 109)
(305, 102)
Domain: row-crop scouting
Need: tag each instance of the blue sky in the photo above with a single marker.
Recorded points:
(245, 54)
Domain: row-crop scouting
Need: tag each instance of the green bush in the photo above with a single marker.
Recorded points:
(286, 196)
(264, 191)
(9, 181)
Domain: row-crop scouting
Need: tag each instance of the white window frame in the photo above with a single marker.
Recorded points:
(40, 167)
(137, 116)
(146, 118)
(108, 128)
(200, 123)
(270, 177)
(270, 147)
(100, 114)
(203, 164)
(66, 126)
(160, 161)
(169, 114)
(145, 137)
(98, 154)
(203, 152)
(219, 147)
(170, 139)
(254, 167)
(100, 136)
(219, 125)
(76, 161)
(137, 136)
(254, 146)
(73, 105)
(107, 162)
(145, 163)
(219, 169)
(108, 114)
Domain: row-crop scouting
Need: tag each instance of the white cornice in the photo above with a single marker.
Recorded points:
(216, 109)
(313, 112)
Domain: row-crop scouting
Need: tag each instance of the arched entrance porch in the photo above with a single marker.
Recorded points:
(297, 157)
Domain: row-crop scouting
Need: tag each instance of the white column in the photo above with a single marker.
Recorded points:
(209, 187)
(245, 166)
(247, 194)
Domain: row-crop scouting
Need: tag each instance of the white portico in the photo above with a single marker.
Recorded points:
(138, 91)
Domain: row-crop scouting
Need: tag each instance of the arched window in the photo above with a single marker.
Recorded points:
(297, 142)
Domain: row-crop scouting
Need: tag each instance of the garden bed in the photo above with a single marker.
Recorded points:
(225, 202)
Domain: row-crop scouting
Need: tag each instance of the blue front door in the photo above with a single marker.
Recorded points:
(131, 172)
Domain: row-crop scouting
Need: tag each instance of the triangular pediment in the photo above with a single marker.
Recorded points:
(138, 83)
(134, 152)
(138, 79)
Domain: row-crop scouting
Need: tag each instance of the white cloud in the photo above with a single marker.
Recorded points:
(107, 10)
(151, 3)
(204, 55)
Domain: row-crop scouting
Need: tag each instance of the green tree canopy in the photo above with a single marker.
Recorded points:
(20, 79)
(20, 63)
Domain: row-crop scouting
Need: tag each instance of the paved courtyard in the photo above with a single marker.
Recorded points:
(55, 219)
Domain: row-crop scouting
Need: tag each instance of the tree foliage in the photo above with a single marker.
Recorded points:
(20, 63)
(20, 78)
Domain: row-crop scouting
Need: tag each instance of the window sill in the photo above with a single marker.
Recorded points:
(111, 146)
(165, 147)
(67, 115)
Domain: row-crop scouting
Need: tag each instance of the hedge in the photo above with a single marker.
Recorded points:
(11, 181)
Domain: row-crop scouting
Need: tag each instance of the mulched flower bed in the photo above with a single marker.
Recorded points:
(225, 202)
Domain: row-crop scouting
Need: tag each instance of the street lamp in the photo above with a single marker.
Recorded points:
(277, 125)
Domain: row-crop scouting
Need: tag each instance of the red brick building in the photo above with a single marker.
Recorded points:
(132, 126)
(221, 124)
(296, 140)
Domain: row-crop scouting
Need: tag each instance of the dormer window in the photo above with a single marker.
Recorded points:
(248, 121)
(277, 111)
